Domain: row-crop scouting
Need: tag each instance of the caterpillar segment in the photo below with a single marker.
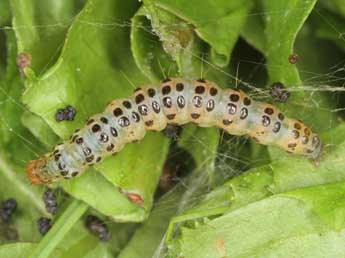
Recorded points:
(175, 101)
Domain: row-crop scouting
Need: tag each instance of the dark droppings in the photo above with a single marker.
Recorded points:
(279, 93)
(97, 227)
(8, 207)
(50, 201)
(172, 131)
(44, 225)
(68, 113)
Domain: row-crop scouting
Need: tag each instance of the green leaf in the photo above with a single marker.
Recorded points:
(283, 21)
(41, 27)
(18, 250)
(88, 86)
(287, 174)
(304, 214)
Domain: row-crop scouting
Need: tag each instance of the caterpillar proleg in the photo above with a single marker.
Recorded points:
(175, 101)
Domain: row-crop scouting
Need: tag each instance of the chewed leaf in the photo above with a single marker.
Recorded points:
(217, 23)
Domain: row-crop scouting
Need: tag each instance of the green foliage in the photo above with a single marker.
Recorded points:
(86, 53)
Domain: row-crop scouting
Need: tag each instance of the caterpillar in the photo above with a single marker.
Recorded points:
(175, 101)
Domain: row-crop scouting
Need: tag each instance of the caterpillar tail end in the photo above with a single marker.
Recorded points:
(32, 172)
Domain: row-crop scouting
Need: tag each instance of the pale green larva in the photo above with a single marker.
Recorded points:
(175, 101)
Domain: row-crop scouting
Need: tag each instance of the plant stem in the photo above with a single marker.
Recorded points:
(61, 227)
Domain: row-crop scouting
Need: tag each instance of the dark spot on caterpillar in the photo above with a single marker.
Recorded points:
(104, 120)
(201, 80)
(110, 147)
(44, 225)
(210, 105)
(139, 98)
(98, 159)
(74, 174)
(90, 158)
(166, 80)
(117, 112)
(295, 134)
(269, 111)
(67, 113)
(227, 121)
(143, 110)
(276, 127)
(123, 121)
(246, 101)
(231, 108)
(151, 92)
(179, 86)
(50, 201)
(266, 121)
(307, 131)
(199, 89)
(292, 145)
(98, 228)
(135, 117)
(195, 115)
(55, 152)
(279, 93)
(79, 141)
(171, 116)
(156, 107)
(197, 101)
(293, 58)
(166, 90)
(90, 121)
(309, 151)
(297, 126)
(103, 138)
(95, 128)
(281, 116)
(113, 131)
(149, 123)
(305, 139)
(167, 102)
(213, 91)
(87, 151)
(137, 89)
(64, 173)
(243, 113)
(74, 137)
(127, 104)
(57, 156)
(181, 102)
(61, 166)
(234, 97)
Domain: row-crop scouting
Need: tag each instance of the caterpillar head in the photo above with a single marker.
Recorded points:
(35, 171)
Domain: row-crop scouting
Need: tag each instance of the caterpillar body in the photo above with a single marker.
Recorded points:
(175, 101)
